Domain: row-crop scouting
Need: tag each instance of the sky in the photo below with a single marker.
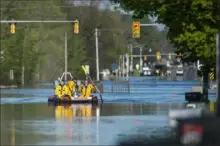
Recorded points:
(105, 3)
(102, 6)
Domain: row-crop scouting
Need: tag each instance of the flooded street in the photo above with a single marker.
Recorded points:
(79, 124)
(26, 117)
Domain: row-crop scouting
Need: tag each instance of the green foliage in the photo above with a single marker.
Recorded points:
(77, 56)
(192, 25)
(39, 47)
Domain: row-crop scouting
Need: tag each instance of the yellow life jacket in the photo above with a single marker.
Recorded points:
(87, 91)
(66, 91)
(58, 91)
(71, 85)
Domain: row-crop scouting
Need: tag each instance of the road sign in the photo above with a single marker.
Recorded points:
(87, 69)
(136, 30)
(211, 76)
(114, 66)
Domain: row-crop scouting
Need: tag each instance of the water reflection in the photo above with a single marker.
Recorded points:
(13, 132)
(77, 123)
(80, 124)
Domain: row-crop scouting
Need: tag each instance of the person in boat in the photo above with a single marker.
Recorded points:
(66, 92)
(58, 90)
(72, 84)
(87, 90)
(57, 82)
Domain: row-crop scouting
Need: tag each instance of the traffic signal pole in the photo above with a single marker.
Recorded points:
(35, 21)
(218, 73)
(65, 55)
(97, 54)
(42, 21)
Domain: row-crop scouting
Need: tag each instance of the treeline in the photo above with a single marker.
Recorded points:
(193, 25)
(37, 49)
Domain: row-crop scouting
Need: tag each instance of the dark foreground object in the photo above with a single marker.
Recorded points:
(202, 131)
(67, 100)
(193, 96)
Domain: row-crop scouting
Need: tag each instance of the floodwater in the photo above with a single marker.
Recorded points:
(42, 124)
(26, 117)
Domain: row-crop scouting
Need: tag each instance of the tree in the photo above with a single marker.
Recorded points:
(192, 27)
(77, 56)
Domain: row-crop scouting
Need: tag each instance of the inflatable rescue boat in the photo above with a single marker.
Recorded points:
(73, 100)
(66, 99)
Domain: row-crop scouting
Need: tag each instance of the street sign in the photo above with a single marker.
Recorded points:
(114, 67)
(211, 76)
(136, 30)
(87, 68)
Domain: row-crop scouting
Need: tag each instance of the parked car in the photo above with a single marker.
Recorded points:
(105, 74)
(179, 70)
(146, 71)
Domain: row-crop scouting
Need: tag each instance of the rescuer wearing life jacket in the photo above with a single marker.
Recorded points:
(57, 82)
(58, 90)
(87, 90)
(72, 84)
(66, 92)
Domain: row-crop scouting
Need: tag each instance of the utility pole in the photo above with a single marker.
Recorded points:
(140, 59)
(218, 73)
(127, 65)
(65, 77)
(97, 54)
(123, 65)
(131, 53)
(22, 66)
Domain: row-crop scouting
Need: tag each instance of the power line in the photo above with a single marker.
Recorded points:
(25, 8)
(36, 21)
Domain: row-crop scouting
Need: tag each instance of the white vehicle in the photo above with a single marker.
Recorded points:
(168, 72)
(105, 73)
(179, 70)
(146, 71)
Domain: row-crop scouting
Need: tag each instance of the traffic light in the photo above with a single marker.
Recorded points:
(136, 30)
(12, 28)
(158, 55)
(180, 54)
(170, 56)
(76, 27)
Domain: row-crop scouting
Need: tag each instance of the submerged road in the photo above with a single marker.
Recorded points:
(146, 90)
(26, 118)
